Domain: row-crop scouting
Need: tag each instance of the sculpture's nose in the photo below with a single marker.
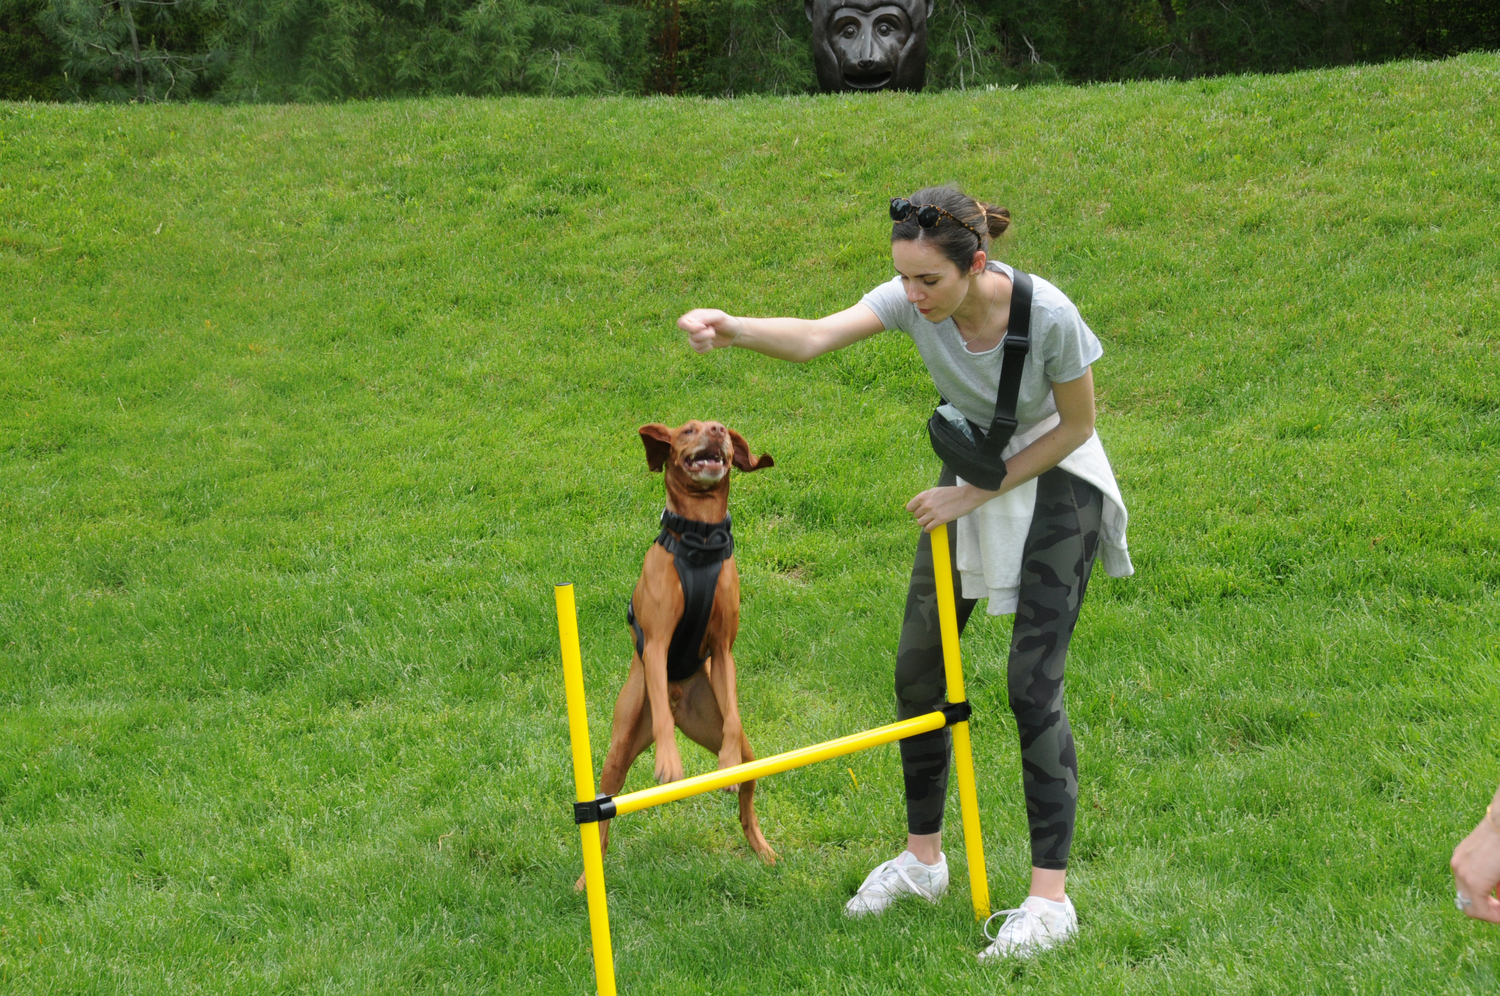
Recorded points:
(866, 63)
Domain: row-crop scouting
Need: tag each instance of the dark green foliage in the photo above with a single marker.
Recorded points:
(731, 47)
(968, 46)
(340, 49)
(30, 63)
(132, 49)
(1135, 39)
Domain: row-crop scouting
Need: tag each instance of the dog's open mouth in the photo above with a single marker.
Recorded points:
(705, 465)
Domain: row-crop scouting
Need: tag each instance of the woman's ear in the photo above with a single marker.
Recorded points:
(742, 458)
(658, 440)
(978, 263)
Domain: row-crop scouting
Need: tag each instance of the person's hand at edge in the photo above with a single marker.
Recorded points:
(709, 328)
(1476, 868)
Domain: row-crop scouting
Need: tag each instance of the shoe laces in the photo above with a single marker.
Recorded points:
(1016, 916)
(881, 878)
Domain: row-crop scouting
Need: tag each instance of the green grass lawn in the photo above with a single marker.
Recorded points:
(303, 410)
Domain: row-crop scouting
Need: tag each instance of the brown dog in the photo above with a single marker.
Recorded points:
(674, 682)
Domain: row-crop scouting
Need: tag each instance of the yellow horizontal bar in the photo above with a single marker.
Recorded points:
(751, 770)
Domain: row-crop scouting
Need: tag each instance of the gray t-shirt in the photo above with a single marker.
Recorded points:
(1062, 349)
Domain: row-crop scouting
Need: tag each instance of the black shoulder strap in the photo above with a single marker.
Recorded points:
(1016, 346)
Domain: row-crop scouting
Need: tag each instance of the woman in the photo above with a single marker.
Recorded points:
(1027, 547)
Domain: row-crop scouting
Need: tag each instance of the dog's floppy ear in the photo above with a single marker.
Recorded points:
(658, 440)
(742, 458)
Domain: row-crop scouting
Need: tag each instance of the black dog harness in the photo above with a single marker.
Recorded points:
(698, 556)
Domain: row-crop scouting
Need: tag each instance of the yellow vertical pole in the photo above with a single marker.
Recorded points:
(963, 755)
(583, 778)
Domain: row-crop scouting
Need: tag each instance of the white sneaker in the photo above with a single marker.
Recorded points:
(1038, 925)
(901, 875)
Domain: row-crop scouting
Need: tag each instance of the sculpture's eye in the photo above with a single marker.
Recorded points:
(848, 29)
(885, 28)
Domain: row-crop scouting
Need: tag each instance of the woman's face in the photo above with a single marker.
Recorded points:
(933, 284)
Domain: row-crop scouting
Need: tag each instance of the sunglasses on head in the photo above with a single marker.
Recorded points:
(928, 215)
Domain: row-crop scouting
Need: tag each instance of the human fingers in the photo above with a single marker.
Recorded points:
(1485, 908)
(704, 318)
(1476, 896)
(1476, 872)
(923, 509)
(707, 328)
(920, 501)
(938, 505)
(700, 334)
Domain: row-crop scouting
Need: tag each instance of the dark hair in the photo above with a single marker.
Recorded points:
(955, 242)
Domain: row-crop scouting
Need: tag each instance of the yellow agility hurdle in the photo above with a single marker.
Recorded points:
(590, 809)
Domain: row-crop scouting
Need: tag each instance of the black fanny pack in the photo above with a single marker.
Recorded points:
(967, 450)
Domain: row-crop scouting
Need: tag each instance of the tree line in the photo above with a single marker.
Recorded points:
(321, 50)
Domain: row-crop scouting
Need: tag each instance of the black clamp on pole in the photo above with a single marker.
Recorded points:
(596, 809)
(956, 712)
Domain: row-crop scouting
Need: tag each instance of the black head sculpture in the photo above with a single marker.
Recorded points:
(869, 44)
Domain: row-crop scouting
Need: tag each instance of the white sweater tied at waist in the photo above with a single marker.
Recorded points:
(991, 538)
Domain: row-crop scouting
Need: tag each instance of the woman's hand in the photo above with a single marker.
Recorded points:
(1476, 870)
(936, 506)
(710, 328)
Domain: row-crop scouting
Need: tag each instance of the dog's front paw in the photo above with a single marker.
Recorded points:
(668, 767)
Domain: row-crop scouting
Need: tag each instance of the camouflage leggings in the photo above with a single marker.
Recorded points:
(1058, 556)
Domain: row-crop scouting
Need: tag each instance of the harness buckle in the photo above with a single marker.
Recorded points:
(1005, 422)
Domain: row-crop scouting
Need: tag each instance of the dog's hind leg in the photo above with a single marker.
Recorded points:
(699, 716)
(748, 822)
(630, 735)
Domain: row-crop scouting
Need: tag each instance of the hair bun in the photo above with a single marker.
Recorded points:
(996, 218)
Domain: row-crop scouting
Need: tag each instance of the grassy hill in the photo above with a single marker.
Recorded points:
(303, 410)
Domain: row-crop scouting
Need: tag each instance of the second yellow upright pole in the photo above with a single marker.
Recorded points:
(583, 780)
(963, 755)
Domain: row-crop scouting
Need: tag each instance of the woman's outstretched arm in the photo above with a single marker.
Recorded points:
(795, 339)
